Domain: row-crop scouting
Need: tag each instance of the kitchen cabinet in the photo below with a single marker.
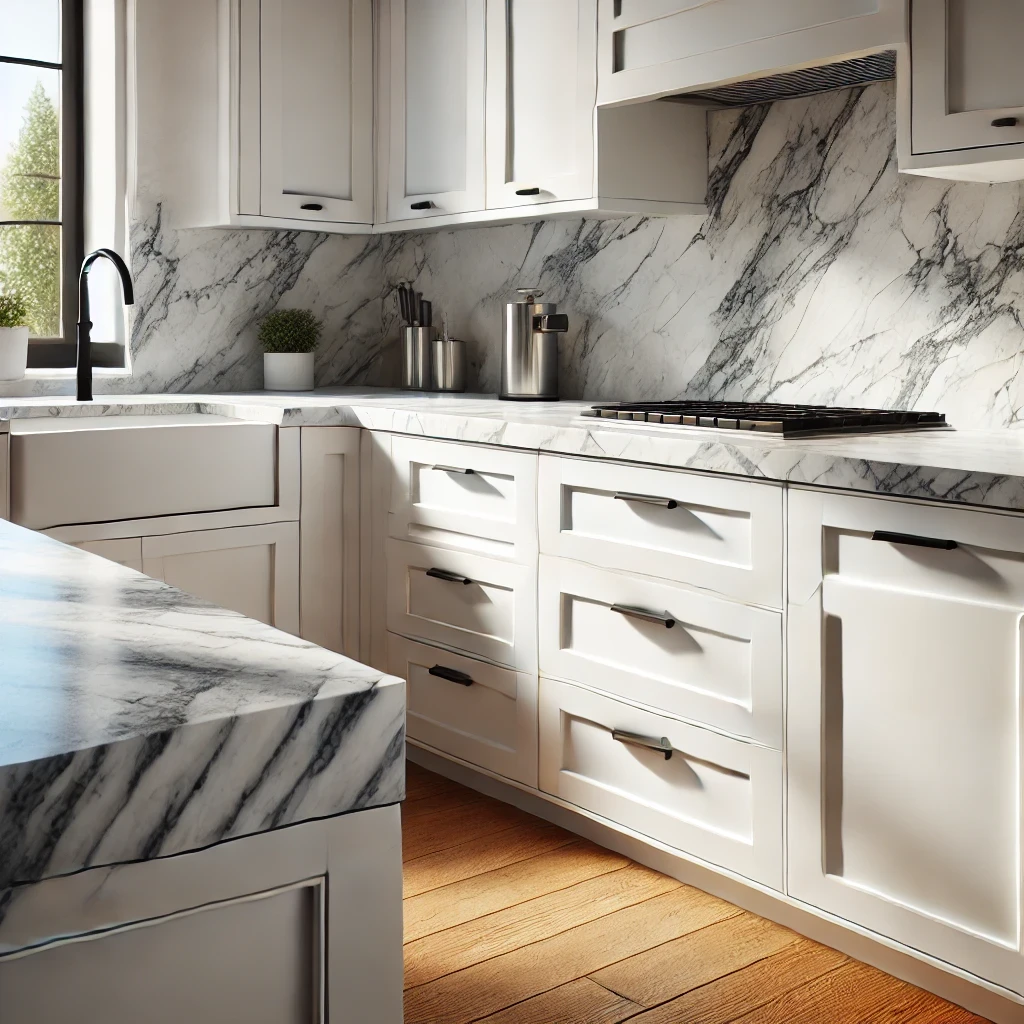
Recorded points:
(329, 538)
(965, 101)
(249, 569)
(650, 48)
(904, 727)
(432, 79)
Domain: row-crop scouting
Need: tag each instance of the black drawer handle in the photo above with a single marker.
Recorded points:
(917, 542)
(423, 204)
(647, 499)
(527, 191)
(1005, 122)
(642, 613)
(448, 577)
(635, 739)
(454, 469)
(311, 206)
(453, 675)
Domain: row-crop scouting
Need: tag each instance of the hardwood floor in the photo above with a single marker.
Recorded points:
(511, 920)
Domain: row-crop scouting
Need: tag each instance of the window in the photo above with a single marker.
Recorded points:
(41, 181)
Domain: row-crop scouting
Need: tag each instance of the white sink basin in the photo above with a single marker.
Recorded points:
(94, 469)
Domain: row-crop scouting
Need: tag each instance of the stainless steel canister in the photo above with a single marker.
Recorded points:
(449, 365)
(529, 348)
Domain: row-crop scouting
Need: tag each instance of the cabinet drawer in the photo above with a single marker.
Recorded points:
(482, 606)
(715, 798)
(716, 534)
(475, 711)
(718, 663)
(464, 496)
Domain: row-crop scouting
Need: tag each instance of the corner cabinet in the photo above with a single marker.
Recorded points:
(904, 728)
(963, 113)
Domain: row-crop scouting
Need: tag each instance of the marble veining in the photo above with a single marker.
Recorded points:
(140, 722)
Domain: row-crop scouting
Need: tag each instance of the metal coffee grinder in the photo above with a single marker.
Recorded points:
(529, 348)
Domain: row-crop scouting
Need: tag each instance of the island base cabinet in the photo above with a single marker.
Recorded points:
(904, 726)
(302, 925)
(707, 795)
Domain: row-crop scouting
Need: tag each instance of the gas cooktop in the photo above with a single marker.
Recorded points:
(769, 417)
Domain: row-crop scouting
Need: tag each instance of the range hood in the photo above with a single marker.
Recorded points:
(843, 74)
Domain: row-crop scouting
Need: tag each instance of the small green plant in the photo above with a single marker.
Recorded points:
(290, 330)
(13, 311)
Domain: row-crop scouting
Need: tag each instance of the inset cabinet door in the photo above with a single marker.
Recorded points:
(435, 59)
(316, 109)
(249, 569)
(967, 74)
(904, 724)
(541, 91)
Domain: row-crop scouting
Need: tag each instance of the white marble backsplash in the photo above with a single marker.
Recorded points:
(822, 275)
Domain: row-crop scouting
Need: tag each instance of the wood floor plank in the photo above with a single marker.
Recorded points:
(676, 967)
(506, 930)
(423, 834)
(530, 970)
(438, 803)
(732, 996)
(506, 887)
(488, 853)
(577, 1002)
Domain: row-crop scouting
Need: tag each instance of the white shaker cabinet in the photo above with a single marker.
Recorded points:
(431, 82)
(653, 48)
(904, 726)
(966, 90)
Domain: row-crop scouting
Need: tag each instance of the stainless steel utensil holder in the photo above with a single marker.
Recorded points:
(417, 358)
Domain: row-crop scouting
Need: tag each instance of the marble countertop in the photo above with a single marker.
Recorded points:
(138, 722)
(975, 467)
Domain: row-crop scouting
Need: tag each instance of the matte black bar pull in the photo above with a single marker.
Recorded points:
(917, 542)
(635, 739)
(1005, 122)
(642, 613)
(454, 469)
(448, 577)
(646, 499)
(453, 675)
(527, 191)
(423, 204)
(311, 206)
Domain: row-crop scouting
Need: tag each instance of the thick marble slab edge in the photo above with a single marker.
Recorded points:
(977, 467)
(140, 722)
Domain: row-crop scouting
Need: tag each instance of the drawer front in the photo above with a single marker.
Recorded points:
(480, 606)
(465, 497)
(715, 798)
(478, 712)
(719, 663)
(719, 535)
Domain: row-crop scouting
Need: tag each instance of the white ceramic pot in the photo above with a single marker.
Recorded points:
(13, 352)
(288, 371)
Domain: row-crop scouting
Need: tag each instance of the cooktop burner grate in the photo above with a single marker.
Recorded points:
(769, 417)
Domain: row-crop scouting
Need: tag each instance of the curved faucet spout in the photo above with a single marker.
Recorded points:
(84, 373)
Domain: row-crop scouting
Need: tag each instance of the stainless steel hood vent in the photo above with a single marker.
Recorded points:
(878, 67)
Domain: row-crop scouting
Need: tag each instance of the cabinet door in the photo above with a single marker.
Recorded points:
(436, 78)
(967, 75)
(541, 91)
(651, 48)
(125, 551)
(249, 569)
(904, 724)
(329, 533)
(316, 110)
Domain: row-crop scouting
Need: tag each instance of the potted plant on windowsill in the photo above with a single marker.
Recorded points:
(289, 338)
(13, 337)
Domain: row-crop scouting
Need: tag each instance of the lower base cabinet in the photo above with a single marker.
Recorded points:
(707, 795)
(478, 712)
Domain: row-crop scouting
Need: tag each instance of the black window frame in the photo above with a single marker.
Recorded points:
(60, 353)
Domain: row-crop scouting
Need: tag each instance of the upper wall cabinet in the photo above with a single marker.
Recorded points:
(431, 141)
(965, 103)
(269, 123)
(651, 48)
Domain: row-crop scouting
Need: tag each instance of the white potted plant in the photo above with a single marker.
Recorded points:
(13, 337)
(289, 338)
